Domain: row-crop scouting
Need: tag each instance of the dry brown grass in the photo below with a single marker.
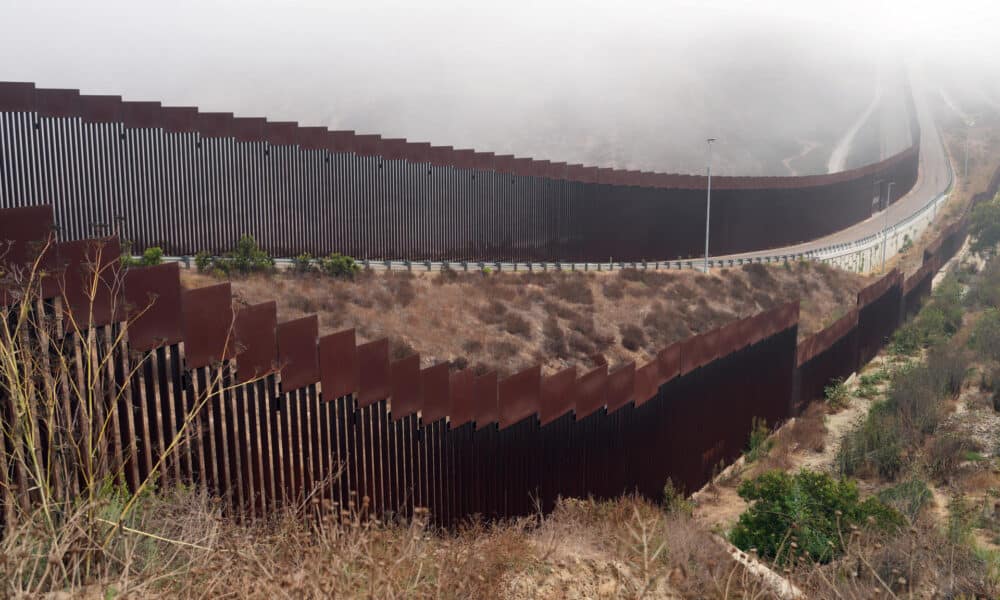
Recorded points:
(511, 321)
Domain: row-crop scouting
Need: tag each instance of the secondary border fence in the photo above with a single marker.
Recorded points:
(274, 415)
(190, 181)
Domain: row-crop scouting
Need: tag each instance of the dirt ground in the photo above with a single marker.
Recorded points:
(511, 321)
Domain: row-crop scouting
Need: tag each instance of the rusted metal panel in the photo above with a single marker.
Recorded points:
(484, 390)
(463, 406)
(373, 372)
(140, 115)
(436, 392)
(179, 119)
(248, 129)
(591, 392)
(297, 352)
(691, 352)
(16, 96)
(24, 233)
(873, 291)
(215, 124)
(730, 338)
(393, 148)
(621, 387)
(504, 163)
(340, 141)
(100, 109)
(647, 381)
(418, 152)
(208, 319)
(57, 103)
(90, 267)
(338, 364)
(153, 306)
(670, 361)
(312, 138)
(464, 158)
(367, 144)
(281, 133)
(519, 396)
(483, 160)
(556, 395)
(256, 340)
(441, 156)
(406, 390)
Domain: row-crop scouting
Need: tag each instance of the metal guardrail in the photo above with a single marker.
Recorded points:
(824, 254)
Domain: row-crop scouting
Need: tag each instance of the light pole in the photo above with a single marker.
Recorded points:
(885, 221)
(708, 201)
(968, 129)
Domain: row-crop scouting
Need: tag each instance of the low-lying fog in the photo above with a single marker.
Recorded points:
(786, 88)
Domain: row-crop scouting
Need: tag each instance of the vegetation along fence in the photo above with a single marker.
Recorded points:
(124, 377)
(190, 181)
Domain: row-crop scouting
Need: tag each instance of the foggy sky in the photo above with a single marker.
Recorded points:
(633, 85)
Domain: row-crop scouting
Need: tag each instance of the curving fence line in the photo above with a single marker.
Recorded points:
(190, 181)
(280, 416)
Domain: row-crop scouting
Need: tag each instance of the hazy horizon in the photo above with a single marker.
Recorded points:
(639, 86)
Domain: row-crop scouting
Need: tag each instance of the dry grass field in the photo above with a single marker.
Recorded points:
(510, 321)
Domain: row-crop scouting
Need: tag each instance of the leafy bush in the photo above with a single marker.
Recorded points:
(674, 500)
(760, 442)
(907, 340)
(150, 256)
(339, 265)
(836, 393)
(203, 261)
(302, 263)
(805, 514)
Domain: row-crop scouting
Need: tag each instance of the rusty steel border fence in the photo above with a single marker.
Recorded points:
(298, 418)
(190, 181)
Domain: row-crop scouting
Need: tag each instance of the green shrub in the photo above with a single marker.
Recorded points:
(203, 261)
(152, 256)
(674, 500)
(247, 257)
(760, 442)
(339, 265)
(805, 514)
(875, 446)
(836, 393)
(907, 340)
(985, 338)
(302, 263)
(984, 227)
